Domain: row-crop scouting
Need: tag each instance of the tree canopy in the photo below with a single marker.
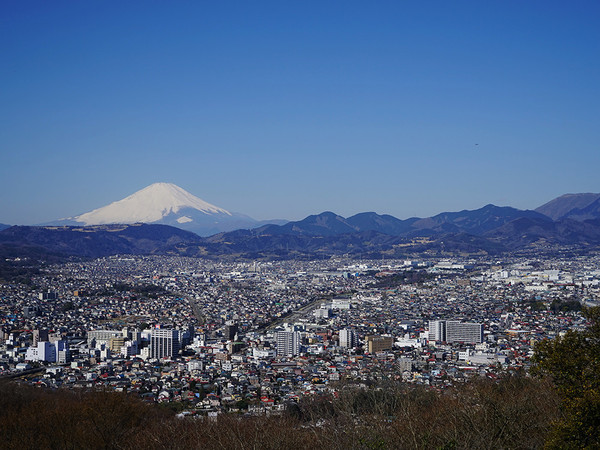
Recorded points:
(573, 363)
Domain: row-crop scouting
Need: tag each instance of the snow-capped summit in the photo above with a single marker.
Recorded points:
(150, 204)
(168, 204)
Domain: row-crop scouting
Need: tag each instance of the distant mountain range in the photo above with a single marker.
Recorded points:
(568, 222)
(475, 222)
(490, 229)
(94, 241)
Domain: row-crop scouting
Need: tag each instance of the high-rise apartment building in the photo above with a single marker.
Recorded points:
(453, 331)
(437, 330)
(230, 330)
(164, 343)
(348, 338)
(288, 343)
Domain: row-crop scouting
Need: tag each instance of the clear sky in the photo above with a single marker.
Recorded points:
(284, 109)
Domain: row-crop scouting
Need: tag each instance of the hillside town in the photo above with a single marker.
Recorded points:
(208, 337)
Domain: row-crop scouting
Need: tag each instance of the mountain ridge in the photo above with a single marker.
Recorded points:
(97, 240)
(168, 204)
(571, 206)
(475, 222)
(488, 230)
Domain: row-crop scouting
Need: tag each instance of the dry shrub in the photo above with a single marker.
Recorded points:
(514, 412)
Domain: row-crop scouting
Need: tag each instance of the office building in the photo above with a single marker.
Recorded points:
(376, 344)
(102, 336)
(39, 336)
(49, 352)
(49, 295)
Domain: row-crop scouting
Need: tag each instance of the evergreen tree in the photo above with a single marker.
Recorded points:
(573, 363)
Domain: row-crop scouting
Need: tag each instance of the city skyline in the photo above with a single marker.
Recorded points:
(286, 110)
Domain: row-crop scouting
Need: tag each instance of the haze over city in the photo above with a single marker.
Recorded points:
(281, 110)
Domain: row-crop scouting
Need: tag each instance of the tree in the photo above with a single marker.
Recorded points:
(573, 363)
(68, 306)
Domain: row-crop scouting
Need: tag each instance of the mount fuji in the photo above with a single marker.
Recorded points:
(166, 204)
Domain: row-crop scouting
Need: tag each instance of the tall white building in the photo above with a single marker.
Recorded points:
(288, 343)
(437, 330)
(348, 338)
(164, 343)
(62, 351)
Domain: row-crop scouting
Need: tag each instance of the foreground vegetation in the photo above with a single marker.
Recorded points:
(573, 363)
(514, 412)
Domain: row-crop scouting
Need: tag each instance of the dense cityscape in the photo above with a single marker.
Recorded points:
(209, 337)
(300, 225)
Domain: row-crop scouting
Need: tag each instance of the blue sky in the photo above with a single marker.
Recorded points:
(284, 109)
